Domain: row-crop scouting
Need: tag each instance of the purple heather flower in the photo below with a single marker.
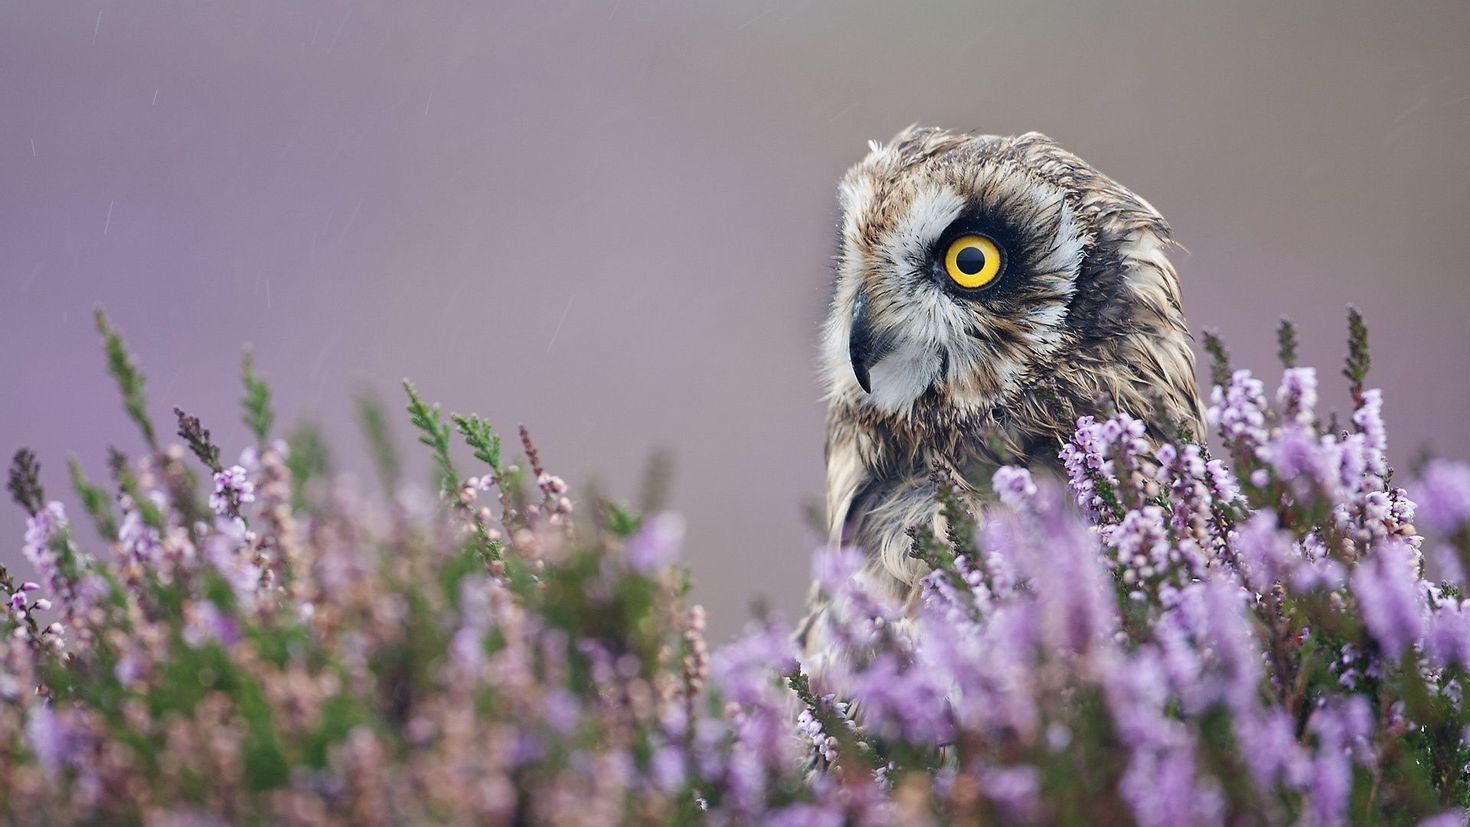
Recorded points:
(142, 542)
(1141, 541)
(1369, 419)
(1073, 596)
(1387, 588)
(1013, 485)
(1448, 640)
(1300, 457)
(1297, 395)
(657, 543)
(909, 703)
(560, 711)
(833, 569)
(205, 623)
(1264, 554)
(747, 669)
(805, 815)
(1083, 457)
(1339, 727)
(45, 738)
(232, 487)
(666, 768)
(43, 531)
(227, 550)
(1223, 484)
(810, 728)
(1277, 757)
(1443, 495)
(1239, 410)
(1163, 789)
(1186, 474)
(1014, 790)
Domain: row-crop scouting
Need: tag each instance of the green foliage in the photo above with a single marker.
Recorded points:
(1219, 358)
(129, 380)
(256, 404)
(373, 423)
(95, 500)
(1358, 360)
(481, 438)
(308, 459)
(434, 433)
(1286, 344)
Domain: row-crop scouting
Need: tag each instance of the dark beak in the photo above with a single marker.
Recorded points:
(864, 347)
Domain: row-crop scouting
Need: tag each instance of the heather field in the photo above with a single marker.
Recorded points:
(1264, 625)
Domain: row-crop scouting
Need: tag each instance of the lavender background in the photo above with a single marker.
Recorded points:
(611, 221)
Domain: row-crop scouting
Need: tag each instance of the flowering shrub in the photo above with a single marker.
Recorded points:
(1161, 637)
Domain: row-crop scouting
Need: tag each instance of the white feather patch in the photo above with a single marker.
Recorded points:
(903, 375)
(929, 213)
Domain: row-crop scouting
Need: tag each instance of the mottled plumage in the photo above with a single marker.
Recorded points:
(1084, 317)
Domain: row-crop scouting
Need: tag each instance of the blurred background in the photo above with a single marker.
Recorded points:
(612, 221)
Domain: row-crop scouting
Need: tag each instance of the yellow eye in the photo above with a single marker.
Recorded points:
(972, 261)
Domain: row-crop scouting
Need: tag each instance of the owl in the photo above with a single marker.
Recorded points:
(988, 291)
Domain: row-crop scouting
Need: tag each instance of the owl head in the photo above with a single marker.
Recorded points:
(973, 267)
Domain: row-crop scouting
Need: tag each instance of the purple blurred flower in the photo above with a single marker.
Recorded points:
(1015, 791)
(45, 738)
(205, 623)
(833, 569)
(1448, 640)
(805, 815)
(141, 541)
(656, 544)
(1264, 554)
(748, 668)
(1387, 587)
(1340, 727)
(1443, 495)
(43, 531)
(904, 703)
(1013, 485)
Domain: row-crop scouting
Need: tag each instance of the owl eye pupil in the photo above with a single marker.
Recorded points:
(973, 261)
(970, 260)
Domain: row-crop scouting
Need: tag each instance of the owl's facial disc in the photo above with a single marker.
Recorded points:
(954, 279)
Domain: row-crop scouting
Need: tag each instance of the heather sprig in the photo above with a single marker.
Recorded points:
(128, 378)
(196, 437)
(482, 439)
(433, 432)
(1358, 360)
(1220, 371)
(95, 500)
(24, 482)
(1286, 342)
(373, 422)
(255, 405)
